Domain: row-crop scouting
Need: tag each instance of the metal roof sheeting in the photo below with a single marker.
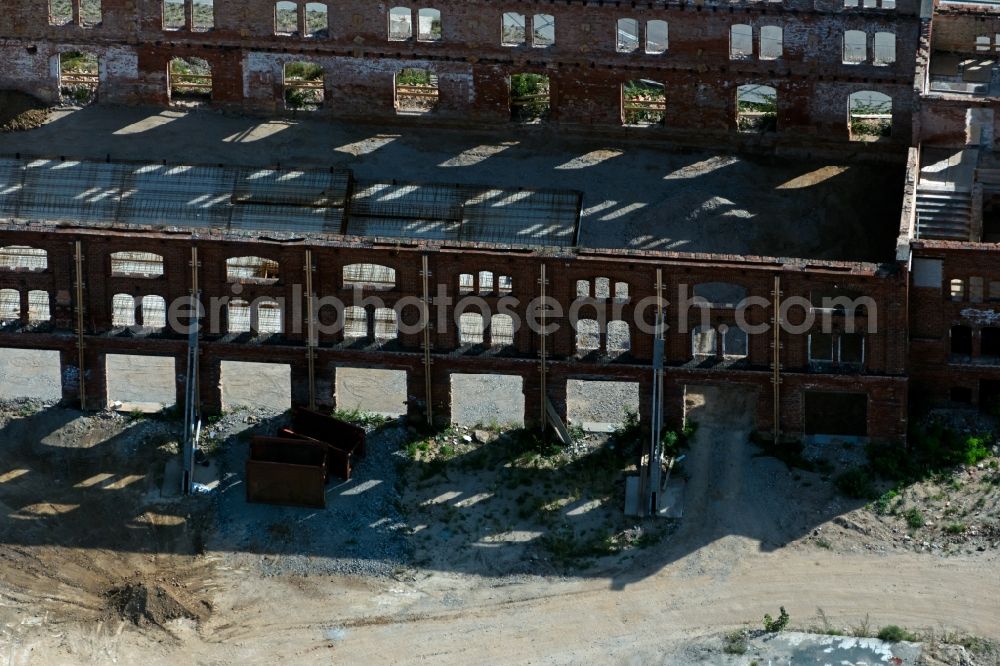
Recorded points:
(286, 201)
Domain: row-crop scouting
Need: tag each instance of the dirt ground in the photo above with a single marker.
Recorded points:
(100, 566)
(19, 112)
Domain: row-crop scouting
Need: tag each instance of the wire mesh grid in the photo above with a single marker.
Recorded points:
(129, 264)
(23, 258)
(355, 323)
(252, 270)
(122, 310)
(10, 305)
(372, 276)
(386, 326)
(38, 306)
(154, 312)
(471, 328)
(195, 196)
(501, 330)
(70, 190)
(318, 189)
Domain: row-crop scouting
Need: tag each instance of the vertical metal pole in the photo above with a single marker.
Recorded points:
(543, 370)
(425, 274)
(196, 291)
(776, 379)
(310, 330)
(80, 324)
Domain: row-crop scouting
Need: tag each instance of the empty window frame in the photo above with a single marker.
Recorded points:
(994, 293)
(513, 29)
(23, 258)
(956, 289)
(375, 277)
(884, 51)
(79, 77)
(543, 30)
(123, 308)
(657, 37)
(190, 81)
(252, 270)
(976, 285)
(627, 35)
(530, 99)
(38, 307)
(602, 287)
(428, 25)
(262, 317)
(154, 312)
(619, 340)
(735, 342)
(202, 15)
(983, 43)
(416, 90)
(870, 4)
(355, 323)
(588, 336)
(505, 285)
(400, 24)
(85, 13)
(756, 108)
(305, 88)
(466, 283)
(136, 264)
(317, 20)
(855, 47)
(704, 342)
(470, 328)
(869, 115)
(10, 305)
(961, 340)
(821, 347)
(644, 103)
(286, 18)
(740, 41)
(989, 342)
(485, 282)
(501, 330)
(386, 325)
(770, 42)
(174, 15)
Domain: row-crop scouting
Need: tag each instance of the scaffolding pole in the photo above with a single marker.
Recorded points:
(192, 394)
(776, 379)
(78, 260)
(425, 275)
(650, 473)
(310, 330)
(543, 370)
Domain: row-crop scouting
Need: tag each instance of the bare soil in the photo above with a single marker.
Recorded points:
(99, 567)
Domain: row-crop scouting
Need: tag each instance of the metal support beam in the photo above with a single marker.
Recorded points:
(543, 370)
(78, 260)
(310, 329)
(776, 379)
(425, 275)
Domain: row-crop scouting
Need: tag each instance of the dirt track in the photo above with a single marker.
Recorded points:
(739, 553)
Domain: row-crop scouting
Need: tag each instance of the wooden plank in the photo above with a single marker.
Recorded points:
(557, 423)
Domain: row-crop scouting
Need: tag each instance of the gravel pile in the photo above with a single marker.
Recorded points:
(20, 111)
(361, 532)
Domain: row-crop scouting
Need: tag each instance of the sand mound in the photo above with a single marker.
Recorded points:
(20, 111)
(144, 605)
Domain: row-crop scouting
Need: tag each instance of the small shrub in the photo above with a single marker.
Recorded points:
(894, 634)
(955, 528)
(883, 505)
(736, 642)
(856, 483)
(773, 626)
(914, 518)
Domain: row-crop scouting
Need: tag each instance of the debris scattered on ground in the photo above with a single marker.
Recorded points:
(20, 111)
(144, 605)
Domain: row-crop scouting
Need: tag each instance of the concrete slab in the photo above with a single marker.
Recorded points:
(788, 648)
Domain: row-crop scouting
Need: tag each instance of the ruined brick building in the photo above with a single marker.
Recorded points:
(91, 248)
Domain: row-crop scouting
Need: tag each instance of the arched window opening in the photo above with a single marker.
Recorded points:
(543, 30)
(869, 116)
(619, 339)
(136, 264)
(428, 25)
(400, 24)
(703, 342)
(238, 314)
(286, 18)
(466, 283)
(501, 330)
(154, 312)
(602, 287)
(386, 325)
(485, 282)
(588, 336)
(122, 310)
(770, 42)
(855, 47)
(627, 35)
(10, 305)
(470, 328)
(656, 37)
(38, 306)
(885, 48)
(317, 20)
(252, 270)
(505, 285)
(265, 317)
(355, 323)
(375, 277)
(23, 258)
(583, 288)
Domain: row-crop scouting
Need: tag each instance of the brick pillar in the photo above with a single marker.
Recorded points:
(96, 380)
(69, 369)
(210, 385)
(300, 381)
